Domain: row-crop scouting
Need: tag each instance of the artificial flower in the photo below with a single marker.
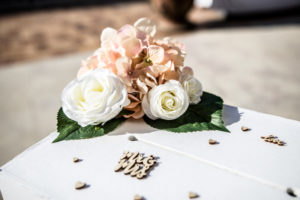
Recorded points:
(87, 65)
(142, 63)
(167, 101)
(194, 89)
(94, 98)
(145, 26)
(141, 76)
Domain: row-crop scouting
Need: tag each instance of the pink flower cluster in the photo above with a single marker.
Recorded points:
(141, 61)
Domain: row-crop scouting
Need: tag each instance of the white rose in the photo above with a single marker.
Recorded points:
(94, 98)
(167, 101)
(194, 89)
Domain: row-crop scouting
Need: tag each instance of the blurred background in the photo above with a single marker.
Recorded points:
(247, 51)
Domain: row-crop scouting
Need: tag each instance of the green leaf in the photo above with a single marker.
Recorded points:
(71, 130)
(206, 115)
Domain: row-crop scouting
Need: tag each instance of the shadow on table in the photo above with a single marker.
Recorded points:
(137, 126)
(231, 115)
(1, 198)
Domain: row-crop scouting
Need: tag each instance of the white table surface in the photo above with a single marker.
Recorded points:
(46, 170)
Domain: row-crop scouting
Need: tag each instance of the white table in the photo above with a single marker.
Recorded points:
(46, 170)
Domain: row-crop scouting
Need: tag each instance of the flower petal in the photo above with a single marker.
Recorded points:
(159, 69)
(142, 86)
(88, 64)
(132, 97)
(150, 83)
(145, 25)
(156, 54)
(123, 66)
(146, 108)
(132, 105)
(132, 46)
(168, 101)
(82, 71)
(94, 98)
(152, 70)
(139, 114)
(108, 34)
(175, 56)
(127, 31)
(171, 75)
(111, 67)
(186, 73)
(92, 62)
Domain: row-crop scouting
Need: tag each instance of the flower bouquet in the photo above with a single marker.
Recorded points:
(134, 75)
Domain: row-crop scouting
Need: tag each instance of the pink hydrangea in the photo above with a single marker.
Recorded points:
(140, 61)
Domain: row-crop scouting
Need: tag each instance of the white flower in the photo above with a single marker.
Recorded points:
(94, 98)
(194, 89)
(191, 85)
(167, 101)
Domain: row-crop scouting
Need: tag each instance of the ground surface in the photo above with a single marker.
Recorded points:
(41, 34)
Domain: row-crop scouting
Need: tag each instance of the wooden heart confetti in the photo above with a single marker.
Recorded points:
(193, 195)
(137, 197)
(79, 185)
(135, 164)
(244, 128)
(132, 138)
(212, 142)
(273, 139)
(75, 159)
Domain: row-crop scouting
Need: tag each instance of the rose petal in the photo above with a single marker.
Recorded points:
(146, 108)
(167, 101)
(95, 98)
